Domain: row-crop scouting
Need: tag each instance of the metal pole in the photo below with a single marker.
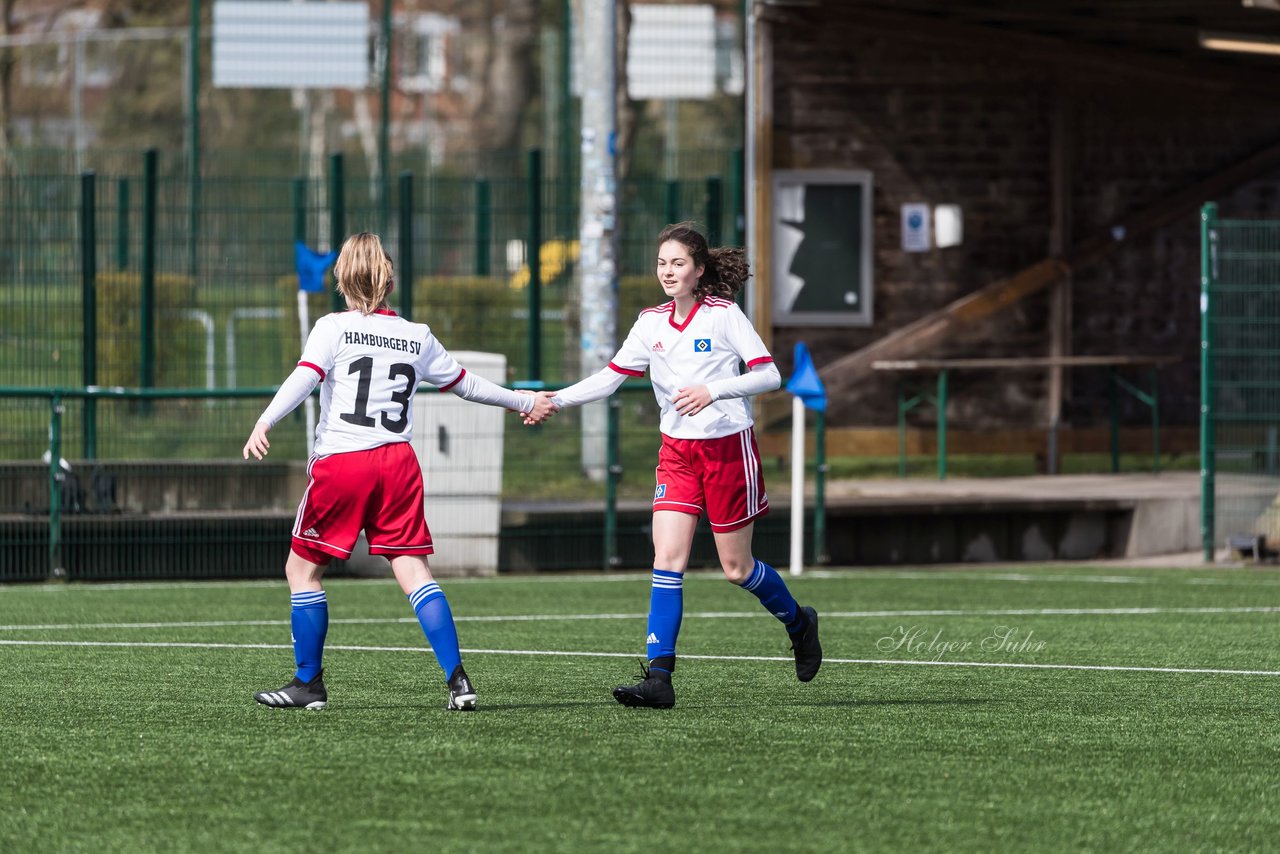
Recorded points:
(611, 556)
(484, 228)
(56, 476)
(147, 297)
(406, 245)
(598, 230)
(299, 188)
(89, 304)
(337, 215)
(533, 256)
(1113, 395)
(941, 403)
(737, 198)
(902, 431)
(384, 125)
(193, 137)
(671, 204)
(76, 99)
(797, 486)
(1208, 449)
(715, 211)
(820, 489)
(1155, 419)
(122, 223)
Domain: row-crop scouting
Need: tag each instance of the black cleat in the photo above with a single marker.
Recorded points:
(653, 692)
(806, 647)
(462, 694)
(297, 695)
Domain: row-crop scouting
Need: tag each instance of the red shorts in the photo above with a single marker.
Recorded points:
(378, 490)
(721, 474)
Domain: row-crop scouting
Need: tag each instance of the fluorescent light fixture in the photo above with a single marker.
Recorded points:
(1272, 5)
(1239, 43)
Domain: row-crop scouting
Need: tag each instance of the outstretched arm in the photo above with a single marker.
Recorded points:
(595, 387)
(292, 391)
(479, 390)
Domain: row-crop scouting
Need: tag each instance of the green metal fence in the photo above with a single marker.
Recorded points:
(169, 496)
(175, 288)
(1240, 398)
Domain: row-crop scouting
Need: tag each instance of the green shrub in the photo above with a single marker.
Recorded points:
(179, 354)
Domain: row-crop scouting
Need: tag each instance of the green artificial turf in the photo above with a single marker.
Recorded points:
(130, 725)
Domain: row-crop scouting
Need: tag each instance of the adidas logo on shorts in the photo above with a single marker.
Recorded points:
(311, 532)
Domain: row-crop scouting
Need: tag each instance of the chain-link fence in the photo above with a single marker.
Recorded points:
(1240, 423)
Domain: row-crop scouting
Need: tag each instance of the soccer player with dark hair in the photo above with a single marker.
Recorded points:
(692, 346)
(363, 474)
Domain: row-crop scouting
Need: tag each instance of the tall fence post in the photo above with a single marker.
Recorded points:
(122, 223)
(299, 193)
(671, 203)
(820, 556)
(484, 228)
(406, 245)
(56, 476)
(147, 298)
(613, 474)
(89, 305)
(715, 209)
(533, 255)
(737, 198)
(337, 215)
(1208, 449)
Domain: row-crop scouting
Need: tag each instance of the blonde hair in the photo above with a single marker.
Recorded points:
(365, 273)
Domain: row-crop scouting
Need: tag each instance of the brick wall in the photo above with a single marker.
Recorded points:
(944, 125)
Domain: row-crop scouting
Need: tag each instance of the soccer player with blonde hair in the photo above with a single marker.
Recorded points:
(363, 474)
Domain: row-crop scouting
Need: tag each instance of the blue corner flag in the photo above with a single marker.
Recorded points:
(804, 382)
(311, 266)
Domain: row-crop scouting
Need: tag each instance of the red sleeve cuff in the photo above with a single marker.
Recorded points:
(763, 360)
(315, 368)
(625, 371)
(456, 380)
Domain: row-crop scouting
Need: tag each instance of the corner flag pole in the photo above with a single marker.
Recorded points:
(808, 391)
(797, 485)
(310, 266)
(304, 325)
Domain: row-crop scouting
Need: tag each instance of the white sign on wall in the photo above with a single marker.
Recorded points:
(280, 45)
(916, 231)
(671, 52)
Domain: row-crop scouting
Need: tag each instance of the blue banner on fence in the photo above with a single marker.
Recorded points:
(804, 382)
(311, 266)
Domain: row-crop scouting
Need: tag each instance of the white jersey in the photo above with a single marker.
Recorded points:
(370, 366)
(707, 346)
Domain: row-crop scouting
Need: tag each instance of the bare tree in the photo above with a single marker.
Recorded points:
(8, 58)
(500, 60)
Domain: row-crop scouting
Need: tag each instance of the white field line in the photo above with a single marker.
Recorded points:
(700, 575)
(703, 615)
(575, 654)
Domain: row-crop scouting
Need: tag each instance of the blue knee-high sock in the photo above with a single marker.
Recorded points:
(773, 594)
(666, 608)
(309, 621)
(437, 624)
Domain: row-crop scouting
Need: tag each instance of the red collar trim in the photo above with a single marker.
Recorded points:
(680, 327)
